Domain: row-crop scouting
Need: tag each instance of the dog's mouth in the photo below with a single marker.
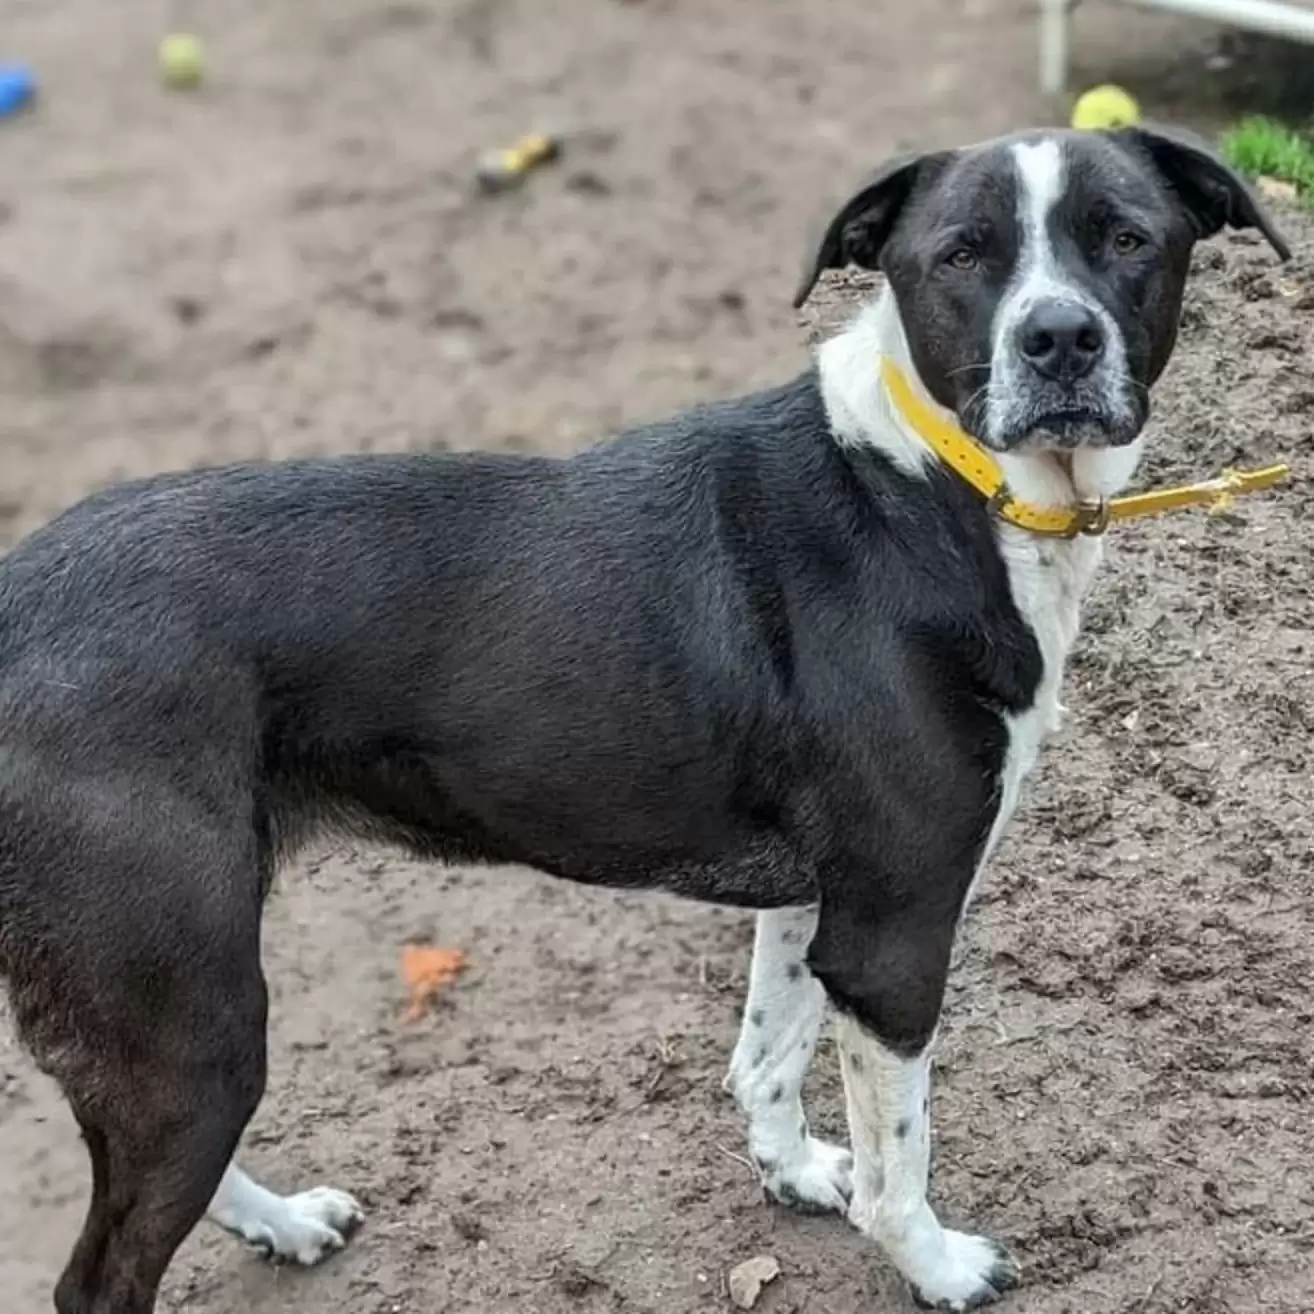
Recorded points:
(1067, 427)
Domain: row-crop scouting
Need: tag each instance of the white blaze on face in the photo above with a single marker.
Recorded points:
(1041, 174)
(1040, 276)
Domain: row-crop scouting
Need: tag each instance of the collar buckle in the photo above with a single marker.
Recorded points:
(1090, 517)
(998, 500)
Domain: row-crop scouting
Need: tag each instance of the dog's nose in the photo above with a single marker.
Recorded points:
(1061, 340)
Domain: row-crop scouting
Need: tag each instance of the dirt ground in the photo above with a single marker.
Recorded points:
(293, 261)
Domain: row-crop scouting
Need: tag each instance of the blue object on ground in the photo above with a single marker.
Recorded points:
(17, 87)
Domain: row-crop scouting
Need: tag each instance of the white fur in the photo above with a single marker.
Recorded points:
(303, 1228)
(888, 1099)
(1040, 277)
(851, 389)
(1049, 580)
(783, 1016)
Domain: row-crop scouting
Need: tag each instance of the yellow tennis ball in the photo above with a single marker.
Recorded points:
(182, 60)
(1105, 107)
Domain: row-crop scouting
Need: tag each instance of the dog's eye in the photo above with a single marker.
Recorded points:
(1124, 243)
(963, 258)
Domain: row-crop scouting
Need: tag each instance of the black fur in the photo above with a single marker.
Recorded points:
(722, 656)
(663, 663)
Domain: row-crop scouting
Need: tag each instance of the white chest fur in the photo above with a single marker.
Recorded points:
(1050, 579)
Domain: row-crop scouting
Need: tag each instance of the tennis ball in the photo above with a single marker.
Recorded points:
(182, 60)
(1105, 107)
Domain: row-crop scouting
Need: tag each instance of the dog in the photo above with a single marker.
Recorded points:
(772, 653)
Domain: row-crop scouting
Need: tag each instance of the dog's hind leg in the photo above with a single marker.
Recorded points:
(138, 986)
(162, 1089)
(151, 1176)
(162, 1092)
(302, 1228)
(783, 1016)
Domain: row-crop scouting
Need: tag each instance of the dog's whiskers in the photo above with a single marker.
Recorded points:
(963, 369)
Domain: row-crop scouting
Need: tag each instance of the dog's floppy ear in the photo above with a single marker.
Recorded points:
(858, 231)
(1213, 194)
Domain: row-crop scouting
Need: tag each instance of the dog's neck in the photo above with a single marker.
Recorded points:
(861, 413)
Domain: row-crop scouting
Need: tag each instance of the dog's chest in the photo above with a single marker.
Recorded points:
(1050, 579)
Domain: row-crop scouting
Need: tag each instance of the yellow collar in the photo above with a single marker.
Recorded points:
(976, 466)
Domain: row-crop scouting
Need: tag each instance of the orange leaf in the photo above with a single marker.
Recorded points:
(425, 970)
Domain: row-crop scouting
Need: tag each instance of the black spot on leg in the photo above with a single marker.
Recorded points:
(926, 1106)
(902, 1129)
(789, 1197)
(855, 1060)
(777, 1093)
(760, 1057)
(802, 1131)
(757, 1017)
(794, 971)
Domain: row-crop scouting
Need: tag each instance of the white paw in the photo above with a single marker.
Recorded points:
(815, 1177)
(303, 1228)
(970, 1271)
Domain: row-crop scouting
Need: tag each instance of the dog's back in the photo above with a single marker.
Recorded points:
(205, 667)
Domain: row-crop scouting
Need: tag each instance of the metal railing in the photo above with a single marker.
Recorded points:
(1270, 17)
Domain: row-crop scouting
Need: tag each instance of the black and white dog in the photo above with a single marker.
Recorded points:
(770, 653)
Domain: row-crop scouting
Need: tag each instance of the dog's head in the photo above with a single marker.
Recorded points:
(1039, 277)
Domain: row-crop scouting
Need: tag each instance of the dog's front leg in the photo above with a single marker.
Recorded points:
(887, 977)
(783, 1015)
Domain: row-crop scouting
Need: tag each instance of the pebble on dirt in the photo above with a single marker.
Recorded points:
(747, 1279)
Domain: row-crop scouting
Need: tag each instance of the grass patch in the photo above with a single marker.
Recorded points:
(1259, 146)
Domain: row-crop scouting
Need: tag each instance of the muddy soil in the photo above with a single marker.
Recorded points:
(292, 260)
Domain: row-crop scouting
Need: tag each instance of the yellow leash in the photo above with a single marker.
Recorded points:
(976, 466)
